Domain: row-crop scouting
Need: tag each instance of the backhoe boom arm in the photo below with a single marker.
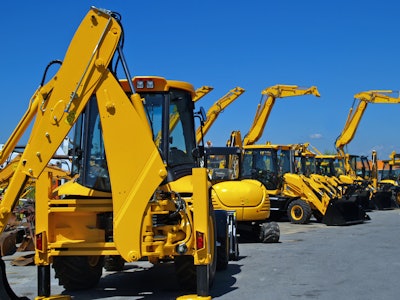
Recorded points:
(355, 115)
(57, 104)
(269, 95)
(216, 109)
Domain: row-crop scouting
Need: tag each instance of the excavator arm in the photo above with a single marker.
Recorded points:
(57, 104)
(201, 92)
(20, 128)
(355, 115)
(269, 95)
(216, 109)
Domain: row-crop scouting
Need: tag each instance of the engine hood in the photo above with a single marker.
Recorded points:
(244, 193)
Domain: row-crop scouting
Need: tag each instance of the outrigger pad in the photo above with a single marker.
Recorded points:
(344, 212)
(382, 200)
(6, 292)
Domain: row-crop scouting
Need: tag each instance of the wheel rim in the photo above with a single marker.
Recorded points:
(297, 212)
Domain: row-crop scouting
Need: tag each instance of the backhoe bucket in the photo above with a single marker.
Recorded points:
(6, 292)
(8, 243)
(344, 212)
(382, 200)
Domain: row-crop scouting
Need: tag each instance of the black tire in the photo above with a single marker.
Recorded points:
(114, 263)
(78, 272)
(185, 268)
(269, 232)
(221, 217)
(299, 212)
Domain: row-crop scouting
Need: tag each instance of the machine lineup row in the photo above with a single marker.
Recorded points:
(161, 194)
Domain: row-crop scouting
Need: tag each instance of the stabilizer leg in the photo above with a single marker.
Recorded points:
(43, 280)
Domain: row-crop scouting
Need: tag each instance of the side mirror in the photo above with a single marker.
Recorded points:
(201, 114)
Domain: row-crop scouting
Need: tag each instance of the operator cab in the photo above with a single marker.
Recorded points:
(169, 109)
(261, 164)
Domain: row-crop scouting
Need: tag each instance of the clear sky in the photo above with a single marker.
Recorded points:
(342, 47)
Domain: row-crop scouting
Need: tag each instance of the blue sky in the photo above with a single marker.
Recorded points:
(342, 47)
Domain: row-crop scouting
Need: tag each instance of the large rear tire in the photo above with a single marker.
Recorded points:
(299, 212)
(78, 272)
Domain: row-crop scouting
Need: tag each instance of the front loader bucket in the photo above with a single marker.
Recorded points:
(363, 198)
(382, 200)
(344, 211)
(6, 292)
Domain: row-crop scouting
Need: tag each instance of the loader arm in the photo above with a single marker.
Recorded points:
(296, 185)
(269, 95)
(216, 109)
(57, 104)
(355, 115)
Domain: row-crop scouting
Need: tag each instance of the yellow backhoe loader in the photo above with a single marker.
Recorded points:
(328, 203)
(293, 192)
(379, 198)
(247, 199)
(273, 165)
(332, 166)
(131, 196)
(386, 179)
(306, 164)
